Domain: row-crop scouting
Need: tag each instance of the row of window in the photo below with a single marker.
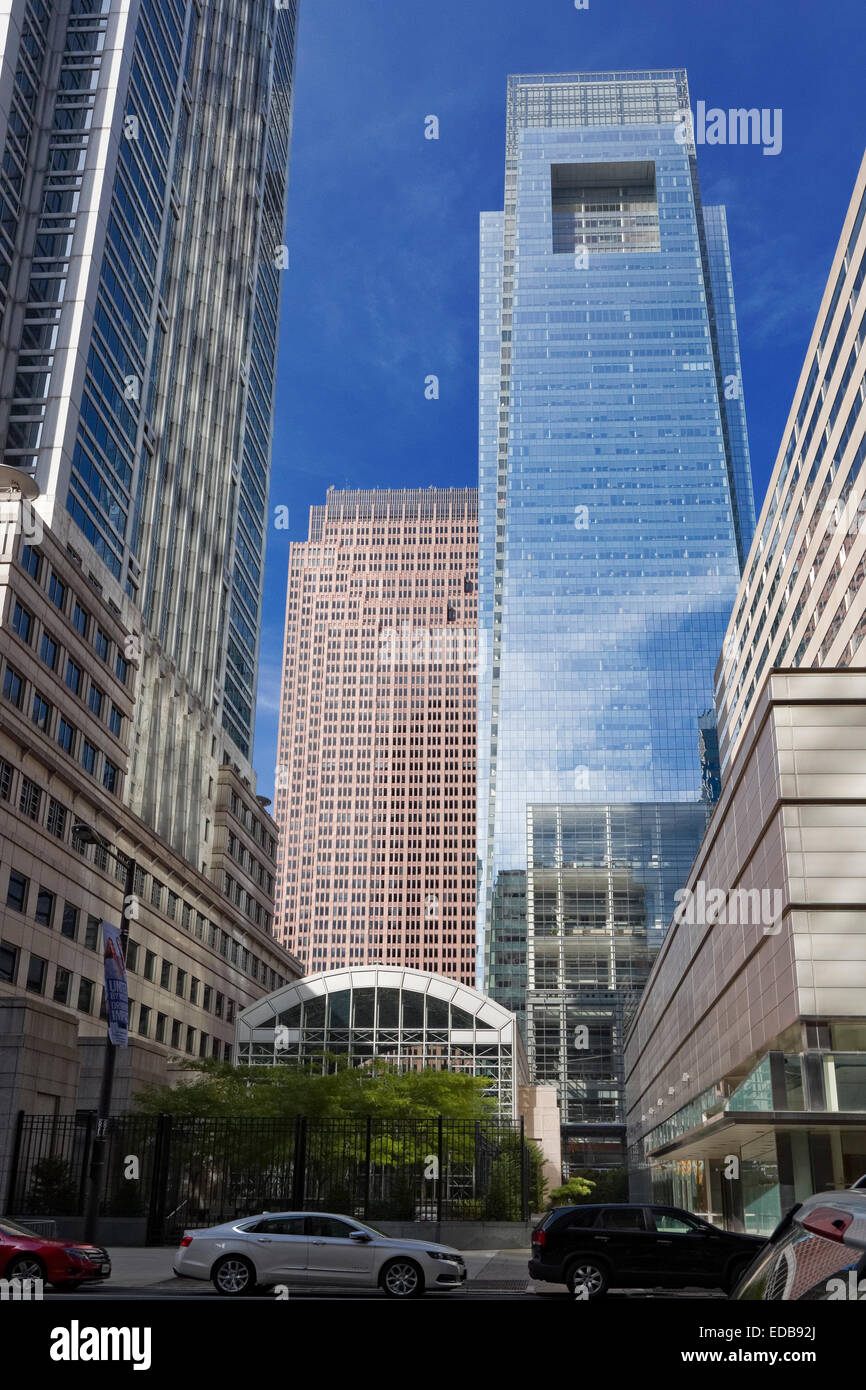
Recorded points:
(172, 978)
(68, 603)
(24, 695)
(146, 1022)
(34, 803)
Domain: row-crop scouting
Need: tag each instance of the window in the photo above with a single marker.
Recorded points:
(57, 592)
(22, 622)
(66, 736)
(156, 892)
(13, 687)
(190, 1041)
(8, 962)
(623, 1219)
(161, 1021)
(44, 907)
(62, 984)
(180, 984)
(31, 561)
(16, 893)
(149, 965)
(36, 971)
(69, 921)
(110, 774)
(175, 1033)
(219, 1005)
(203, 1041)
(92, 933)
(56, 819)
(328, 1228)
(132, 956)
(85, 995)
(193, 990)
(88, 756)
(73, 676)
(48, 651)
(674, 1225)
(30, 799)
(115, 721)
(80, 618)
(215, 1050)
(41, 712)
(143, 1020)
(100, 644)
(5, 779)
(230, 1011)
(95, 700)
(206, 1001)
(165, 975)
(121, 669)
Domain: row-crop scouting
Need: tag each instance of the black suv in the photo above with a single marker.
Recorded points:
(594, 1248)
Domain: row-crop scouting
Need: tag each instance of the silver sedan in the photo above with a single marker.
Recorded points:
(314, 1249)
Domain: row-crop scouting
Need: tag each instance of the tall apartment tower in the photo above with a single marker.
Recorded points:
(615, 508)
(143, 187)
(376, 766)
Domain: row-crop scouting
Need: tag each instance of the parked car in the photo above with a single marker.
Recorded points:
(64, 1264)
(816, 1253)
(594, 1248)
(314, 1249)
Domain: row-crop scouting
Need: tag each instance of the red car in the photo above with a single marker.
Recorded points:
(64, 1264)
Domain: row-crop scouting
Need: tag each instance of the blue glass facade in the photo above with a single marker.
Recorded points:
(615, 497)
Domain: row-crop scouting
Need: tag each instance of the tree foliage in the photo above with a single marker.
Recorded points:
(380, 1091)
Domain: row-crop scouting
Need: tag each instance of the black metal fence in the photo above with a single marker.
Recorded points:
(178, 1172)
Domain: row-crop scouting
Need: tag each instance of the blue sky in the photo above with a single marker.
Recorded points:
(382, 224)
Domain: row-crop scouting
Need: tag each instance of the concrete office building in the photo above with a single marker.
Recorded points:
(200, 948)
(746, 1064)
(142, 197)
(375, 781)
(615, 508)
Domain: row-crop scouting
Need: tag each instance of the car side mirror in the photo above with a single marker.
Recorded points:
(361, 1237)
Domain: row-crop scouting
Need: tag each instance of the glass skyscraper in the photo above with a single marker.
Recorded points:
(142, 203)
(615, 509)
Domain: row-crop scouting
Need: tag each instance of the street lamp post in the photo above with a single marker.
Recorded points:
(96, 1175)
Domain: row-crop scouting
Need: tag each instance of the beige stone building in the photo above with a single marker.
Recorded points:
(200, 943)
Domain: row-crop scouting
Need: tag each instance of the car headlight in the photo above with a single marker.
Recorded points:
(440, 1255)
(78, 1254)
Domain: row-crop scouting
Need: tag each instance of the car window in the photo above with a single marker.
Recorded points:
(674, 1225)
(578, 1219)
(280, 1226)
(329, 1228)
(623, 1219)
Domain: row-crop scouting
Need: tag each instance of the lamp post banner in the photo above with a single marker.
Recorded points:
(116, 993)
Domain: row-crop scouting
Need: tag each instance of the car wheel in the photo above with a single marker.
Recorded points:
(587, 1279)
(736, 1273)
(233, 1276)
(25, 1267)
(402, 1279)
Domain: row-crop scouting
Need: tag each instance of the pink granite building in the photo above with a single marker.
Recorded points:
(376, 769)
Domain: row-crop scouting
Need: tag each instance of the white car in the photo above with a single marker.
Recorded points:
(314, 1248)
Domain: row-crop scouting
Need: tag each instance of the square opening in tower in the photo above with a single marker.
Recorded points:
(604, 208)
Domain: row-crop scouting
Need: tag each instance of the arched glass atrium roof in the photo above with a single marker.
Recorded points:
(406, 1017)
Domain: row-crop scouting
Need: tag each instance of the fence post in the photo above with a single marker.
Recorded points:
(367, 1158)
(159, 1180)
(85, 1159)
(524, 1174)
(14, 1162)
(440, 1166)
(299, 1170)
